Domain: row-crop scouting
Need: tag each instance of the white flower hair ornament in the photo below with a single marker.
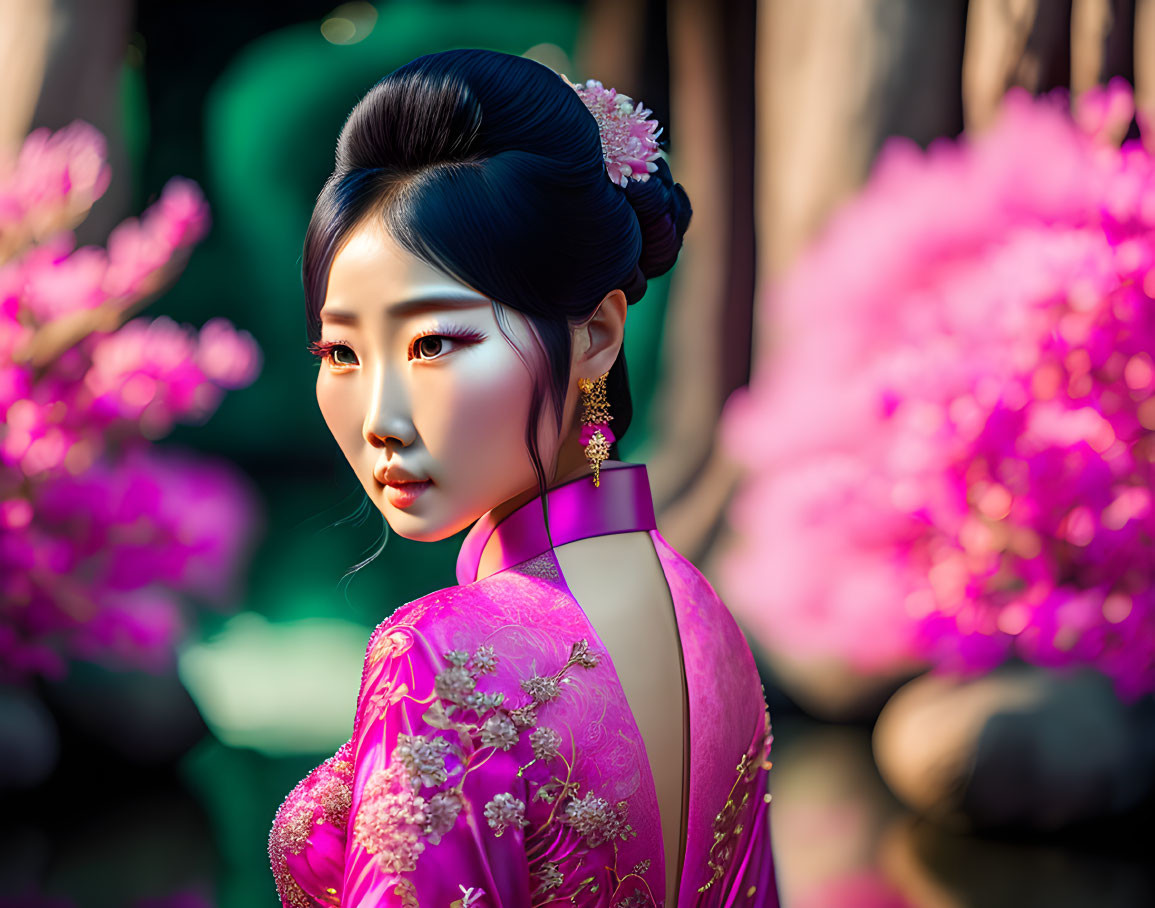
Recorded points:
(629, 140)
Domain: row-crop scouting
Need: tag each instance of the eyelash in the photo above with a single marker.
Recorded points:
(323, 349)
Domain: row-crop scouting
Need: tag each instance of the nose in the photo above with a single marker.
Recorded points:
(388, 418)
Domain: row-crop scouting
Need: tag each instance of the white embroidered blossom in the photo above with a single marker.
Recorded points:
(524, 716)
(482, 702)
(545, 742)
(498, 731)
(441, 812)
(542, 689)
(503, 811)
(485, 660)
(390, 819)
(471, 896)
(457, 657)
(454, 684)
(594, 819)
(423, 758)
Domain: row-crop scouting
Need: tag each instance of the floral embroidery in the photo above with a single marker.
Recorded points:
(582, 655)
(555, 790)
(396, 820)
(457, 657)
(441, 813)
(638, 900)
(485, 660)
(730, 821)
(292, 833)
(482, 703)
(524, 716)
(545, 742)
(423, 758)
(641, 867)
(498, 731)
(407, 892)
(391, 819)
(332, 792)
(454, 684)
(469, 897)
(387, 645)
(503, 811)
(594, 819)
(541, 689)
(549, 877)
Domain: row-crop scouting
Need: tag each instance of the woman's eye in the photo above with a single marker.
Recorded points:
(432, 346)
(429, 346)
(335, 354)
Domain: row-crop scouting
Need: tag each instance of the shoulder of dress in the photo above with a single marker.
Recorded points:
(688, 582)
(524, 595)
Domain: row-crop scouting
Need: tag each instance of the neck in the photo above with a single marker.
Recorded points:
(571, 472)
(570, 463)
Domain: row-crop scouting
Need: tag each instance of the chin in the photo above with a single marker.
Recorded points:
(419, 528)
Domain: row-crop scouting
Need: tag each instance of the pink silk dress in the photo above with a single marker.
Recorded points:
(495, 762)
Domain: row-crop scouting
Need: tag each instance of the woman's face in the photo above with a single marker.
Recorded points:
(425, 397)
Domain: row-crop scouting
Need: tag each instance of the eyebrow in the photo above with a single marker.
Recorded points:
(409, 307)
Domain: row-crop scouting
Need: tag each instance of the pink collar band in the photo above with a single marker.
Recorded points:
(577, 510)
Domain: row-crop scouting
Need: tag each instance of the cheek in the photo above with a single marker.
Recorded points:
(341, 410)
(472, 416)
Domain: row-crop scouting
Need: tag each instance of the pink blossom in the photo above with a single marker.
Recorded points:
(103, 538)
(950, 438)
(56, 280)
(140, 250)
(139, 628)
(629, 139)
(146, 363)
(1105, 114)
(56, 175)
(100, 563)
(229, 357)
(181, 215)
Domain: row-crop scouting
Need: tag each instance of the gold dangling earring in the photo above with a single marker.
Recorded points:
(596, 436)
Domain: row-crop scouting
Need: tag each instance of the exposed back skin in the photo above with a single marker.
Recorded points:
(619, 583)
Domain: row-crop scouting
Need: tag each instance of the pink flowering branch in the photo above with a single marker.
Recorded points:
(951, 437)
(51, 185)
(101, 535)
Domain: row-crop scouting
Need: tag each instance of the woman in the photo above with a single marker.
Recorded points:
(580, 720)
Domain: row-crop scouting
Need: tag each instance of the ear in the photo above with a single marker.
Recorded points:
(598, 340)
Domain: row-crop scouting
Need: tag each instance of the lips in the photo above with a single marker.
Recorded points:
(403, 494)
(396, 475)
(392, 479)
(402, 487)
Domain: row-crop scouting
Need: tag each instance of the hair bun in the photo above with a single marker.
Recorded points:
(663, 211)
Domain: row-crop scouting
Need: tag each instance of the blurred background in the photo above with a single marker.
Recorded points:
(895, 400)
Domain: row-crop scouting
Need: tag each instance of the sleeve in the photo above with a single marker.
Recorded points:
(438, 802)
(307, 840)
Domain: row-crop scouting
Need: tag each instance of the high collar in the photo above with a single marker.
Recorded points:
(577, 510)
